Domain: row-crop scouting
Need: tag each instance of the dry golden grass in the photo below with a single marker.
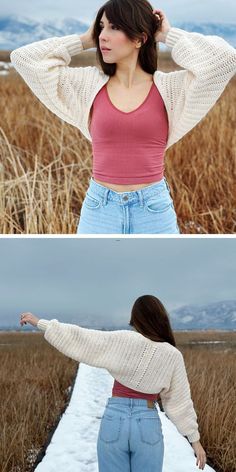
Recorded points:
(213, 384)
(34, 392)
(212, 375)
(45, 164)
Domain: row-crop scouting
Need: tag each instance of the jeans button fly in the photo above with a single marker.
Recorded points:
(125, 197)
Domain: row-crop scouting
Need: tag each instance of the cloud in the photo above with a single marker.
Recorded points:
(180, 10)
(98, 279)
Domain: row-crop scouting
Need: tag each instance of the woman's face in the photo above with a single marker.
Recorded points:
(121, 47)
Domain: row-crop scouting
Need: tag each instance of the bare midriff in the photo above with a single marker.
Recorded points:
(124, 188)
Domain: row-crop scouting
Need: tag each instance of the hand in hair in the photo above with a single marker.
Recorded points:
(87, 37)
(163, 25)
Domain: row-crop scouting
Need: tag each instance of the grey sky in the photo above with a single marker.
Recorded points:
(180, 10)
(96, 280)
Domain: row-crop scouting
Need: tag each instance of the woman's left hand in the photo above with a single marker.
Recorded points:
(28, 318)
(160, 35)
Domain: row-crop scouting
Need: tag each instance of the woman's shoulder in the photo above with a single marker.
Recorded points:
(171, 349)
(162, 345)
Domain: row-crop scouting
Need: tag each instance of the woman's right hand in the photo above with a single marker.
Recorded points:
(28, 317)
(200, 453)
(87, 36)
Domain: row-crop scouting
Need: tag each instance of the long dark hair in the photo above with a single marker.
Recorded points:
(150, 318)
(133, 17)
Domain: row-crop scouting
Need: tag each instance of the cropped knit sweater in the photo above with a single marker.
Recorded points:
(209, 62)
(135, 361)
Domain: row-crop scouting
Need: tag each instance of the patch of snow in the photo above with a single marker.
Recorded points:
(186, 319)
(233, 316)
(208, 342)
(73, 444)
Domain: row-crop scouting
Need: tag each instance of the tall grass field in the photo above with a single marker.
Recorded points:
(36, 382)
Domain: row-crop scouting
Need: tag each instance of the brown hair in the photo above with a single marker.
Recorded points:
(134, 17)
(150, 318)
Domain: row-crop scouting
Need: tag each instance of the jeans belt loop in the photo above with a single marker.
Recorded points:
(140, 195)
(106, 196)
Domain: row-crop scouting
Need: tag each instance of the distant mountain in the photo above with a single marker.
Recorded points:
(226, 31)
(219, 315)
(16, 31)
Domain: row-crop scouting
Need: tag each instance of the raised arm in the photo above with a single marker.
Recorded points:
(178, 404)
(209, 63)
(44, 66)
(90, 346)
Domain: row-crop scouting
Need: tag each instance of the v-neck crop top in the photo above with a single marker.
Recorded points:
(129, 147)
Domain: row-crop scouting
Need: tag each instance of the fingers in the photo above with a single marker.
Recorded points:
(160, 16)
(158, 13)
(23, 322)
(201, 461)
(29, 318)
(24, 318)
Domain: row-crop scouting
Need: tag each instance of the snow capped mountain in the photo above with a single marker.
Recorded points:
(226, 31)
(16, 31)
(219, 315)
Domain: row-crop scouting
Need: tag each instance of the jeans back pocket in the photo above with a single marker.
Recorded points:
(150, 428)
(110, 427)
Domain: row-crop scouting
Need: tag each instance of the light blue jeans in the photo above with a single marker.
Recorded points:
(149, 210)
(130, 437)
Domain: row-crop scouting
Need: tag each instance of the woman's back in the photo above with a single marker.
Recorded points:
(133, 360)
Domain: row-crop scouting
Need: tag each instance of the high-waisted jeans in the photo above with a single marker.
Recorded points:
(148, 210)
(130, 437)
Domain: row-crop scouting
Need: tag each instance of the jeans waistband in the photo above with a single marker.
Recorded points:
(130, 401)
(129, 196)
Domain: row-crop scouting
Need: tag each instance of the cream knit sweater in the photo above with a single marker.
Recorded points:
(209, 62)
(135, 361)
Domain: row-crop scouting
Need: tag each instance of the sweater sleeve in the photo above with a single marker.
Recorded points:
(44, 66)
(90, 346)
(209, 62)
(178, 404)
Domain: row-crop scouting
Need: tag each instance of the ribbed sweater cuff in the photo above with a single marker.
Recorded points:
(42, 324)
(173, 35)
(194, 437)
(72, 43)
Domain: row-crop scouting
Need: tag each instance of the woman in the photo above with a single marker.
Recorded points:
(131, 112)
(144, 363)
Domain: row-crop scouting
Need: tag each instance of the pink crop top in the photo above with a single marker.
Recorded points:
(122, 391)
(128, 147)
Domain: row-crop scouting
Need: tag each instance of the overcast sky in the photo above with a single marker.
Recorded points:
(178, 10)
(96, 280)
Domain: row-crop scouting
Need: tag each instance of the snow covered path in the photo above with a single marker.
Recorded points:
(73, 444)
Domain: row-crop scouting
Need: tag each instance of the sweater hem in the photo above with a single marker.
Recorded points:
(72, 43)
(193, 437)
(43, 324)
(173, 35)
